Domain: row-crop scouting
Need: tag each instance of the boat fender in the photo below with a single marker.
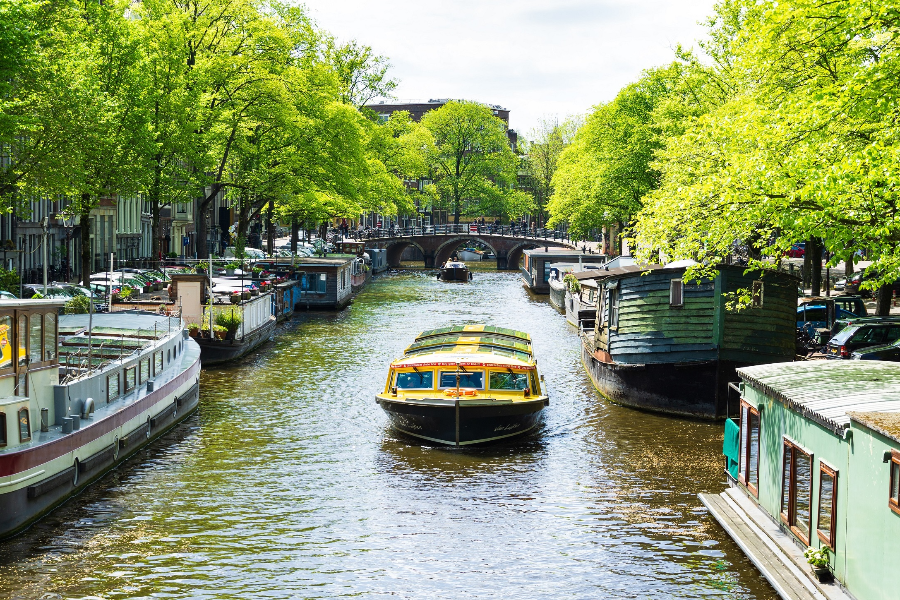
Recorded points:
(87, 408)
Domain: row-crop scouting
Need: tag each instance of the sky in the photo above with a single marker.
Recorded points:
(540, 59)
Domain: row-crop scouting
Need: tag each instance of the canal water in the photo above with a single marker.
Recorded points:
(288, 484)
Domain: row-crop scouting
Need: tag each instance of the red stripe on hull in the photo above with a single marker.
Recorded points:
(17, 462)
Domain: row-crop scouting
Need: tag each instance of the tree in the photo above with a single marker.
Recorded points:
(361, 73)
(542, 149)
(472, 164)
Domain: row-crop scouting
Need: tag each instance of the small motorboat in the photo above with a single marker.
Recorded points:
(470, 254)
(455, 270)
(465, 385)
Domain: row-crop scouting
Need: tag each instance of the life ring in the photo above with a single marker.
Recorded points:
(462, 392)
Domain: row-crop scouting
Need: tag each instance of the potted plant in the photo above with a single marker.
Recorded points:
(254, 291)
(236, 298)
(219, 331)
(193, 329)
(125, 293)
(818, 560)
(230, 320)
(230, 268)
(245, 295)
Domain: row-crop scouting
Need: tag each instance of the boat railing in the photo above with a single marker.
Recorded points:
(90, 360)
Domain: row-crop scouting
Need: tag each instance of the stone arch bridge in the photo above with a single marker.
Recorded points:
(438, 243)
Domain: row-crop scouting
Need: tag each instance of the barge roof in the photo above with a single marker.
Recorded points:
(473, 329)
(828, 391)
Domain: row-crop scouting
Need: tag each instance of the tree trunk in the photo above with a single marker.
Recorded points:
(154, 209)
(295, 235)
(807, 263)
(814, 248)
(270, 227)
(87, 262)
(848, 267)
(883, 305)
(201, 249)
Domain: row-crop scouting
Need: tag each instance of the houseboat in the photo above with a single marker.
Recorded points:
(581, 301)
(79, 394)
(465, 385)
(813, 459)
(249, 315)
(558, 287)
(325, 282)
(665, 344)
(455, 270)
(536, 265)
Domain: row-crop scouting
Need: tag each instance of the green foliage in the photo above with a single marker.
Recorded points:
(79, 305)
(230, 320)
(125, 293)
(9, 281)
(572, 283)
(816, 557)
(472, 165)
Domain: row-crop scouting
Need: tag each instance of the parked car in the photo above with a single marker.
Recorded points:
(57, 293)
(4, 295)
(853, 283)
(889, 352)
(249, 253)
(796, 250)
(862, 335)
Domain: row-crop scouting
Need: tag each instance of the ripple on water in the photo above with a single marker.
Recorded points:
(288, 484)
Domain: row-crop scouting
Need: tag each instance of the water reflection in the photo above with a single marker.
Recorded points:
(289, 484)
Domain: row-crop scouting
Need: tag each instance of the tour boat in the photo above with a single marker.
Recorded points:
(455, 270)
(469, 254)
(465, 385)
(79, 394)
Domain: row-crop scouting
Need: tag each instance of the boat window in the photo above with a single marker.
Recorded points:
(22, 337)
(158, 363)
(614, 307)
(796, 492)
(112, 387)
(757, 294)
(423, 380)
(748, 473)
(894, 499)
(2, 428)
(322, 280)
(467, 379)
(169, 355)
(145, 370)
(129, 378)
(24, 425)
(546, 271)
(827, 504)
(676, 292)
(6, 354)
(50, 338)
(505, 380)
(35, 342)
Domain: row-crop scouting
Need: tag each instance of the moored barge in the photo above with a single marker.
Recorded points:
(79, 394)
(465, 385)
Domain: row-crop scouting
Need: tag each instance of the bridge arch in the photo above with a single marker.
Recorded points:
(444, 251)
(395, 250)
(514, 256)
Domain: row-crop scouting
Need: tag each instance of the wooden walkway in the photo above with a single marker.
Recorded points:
(773, 552)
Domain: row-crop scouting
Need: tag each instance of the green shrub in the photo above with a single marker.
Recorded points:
(230, 320)
(9, 281)
(79, 305)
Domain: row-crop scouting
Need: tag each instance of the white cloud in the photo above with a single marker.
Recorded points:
(535, 58)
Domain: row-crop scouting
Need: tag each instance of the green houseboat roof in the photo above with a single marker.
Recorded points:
(472, 351)
(826, 391)
(472, 330)
(471, 340)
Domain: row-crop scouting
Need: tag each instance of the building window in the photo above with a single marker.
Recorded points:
(676, 292)
(894, 500)
(827, 504)
(796, 490)
(50, 338)
(129, 378)
(24, 425)
(2, 428)
(757, 294)
(749, 465)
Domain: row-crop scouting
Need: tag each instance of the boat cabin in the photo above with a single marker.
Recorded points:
(537, 263)
(816, 447)
(325, 282)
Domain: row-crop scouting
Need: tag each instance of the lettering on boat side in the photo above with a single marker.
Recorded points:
(509, 427)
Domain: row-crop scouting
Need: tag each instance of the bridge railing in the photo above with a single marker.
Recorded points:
(539, 233)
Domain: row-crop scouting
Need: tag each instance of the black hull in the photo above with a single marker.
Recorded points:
(455, 275)
(25, 506)
(215, 352)
(436, 421)
(698, 389)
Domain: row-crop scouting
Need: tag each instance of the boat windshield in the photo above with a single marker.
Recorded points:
(423, 380)
(471, 379)
(508, 381)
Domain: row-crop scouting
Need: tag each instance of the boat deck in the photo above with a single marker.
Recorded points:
(773, 552)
